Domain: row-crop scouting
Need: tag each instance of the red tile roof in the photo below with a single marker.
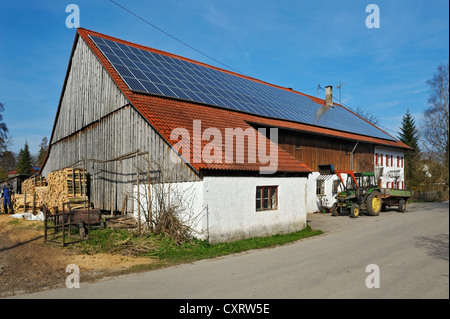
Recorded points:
(167, 114)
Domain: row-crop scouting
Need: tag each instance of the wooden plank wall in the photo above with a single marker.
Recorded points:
(314, 150)
(90, 93)
(97, 122)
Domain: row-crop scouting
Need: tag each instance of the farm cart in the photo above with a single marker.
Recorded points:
(63, 222)
(361, 193)
(394, 197)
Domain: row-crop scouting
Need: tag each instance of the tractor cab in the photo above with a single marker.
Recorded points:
(365, 181)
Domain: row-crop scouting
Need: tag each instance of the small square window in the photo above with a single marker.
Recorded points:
(320, 187)
(266, 197)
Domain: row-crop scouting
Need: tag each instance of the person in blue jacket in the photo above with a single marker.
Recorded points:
(7, 194)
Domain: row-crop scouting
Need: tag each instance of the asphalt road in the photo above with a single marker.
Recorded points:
(410, 251)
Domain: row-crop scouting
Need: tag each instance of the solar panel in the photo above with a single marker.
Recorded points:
(157, 74)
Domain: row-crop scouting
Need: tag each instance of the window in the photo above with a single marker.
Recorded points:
(376, 159)
(266, 197)
(336, 186)
(398, 161)
(387, 160)
(320, 187)
(381, 157)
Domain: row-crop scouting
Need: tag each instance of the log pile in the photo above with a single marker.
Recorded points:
(34, 200)
(33, 192)
(66, 186)
(62, 186)
(122, 222)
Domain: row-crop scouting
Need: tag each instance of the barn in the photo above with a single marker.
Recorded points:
(246, 151)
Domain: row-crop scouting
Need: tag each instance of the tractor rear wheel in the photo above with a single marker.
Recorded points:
(354, 211)
(374, 203)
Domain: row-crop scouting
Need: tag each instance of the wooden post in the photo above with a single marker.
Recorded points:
(149, 195)
(84, 183)
(44, 208)
(138, 193)
(79, 181)
(63, 228)
(124, 205)
(34, 202)
(73, 182)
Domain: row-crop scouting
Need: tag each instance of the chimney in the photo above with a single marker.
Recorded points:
(329, 95)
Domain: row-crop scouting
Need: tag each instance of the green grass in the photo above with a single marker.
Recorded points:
(167, 251)
(201, 249)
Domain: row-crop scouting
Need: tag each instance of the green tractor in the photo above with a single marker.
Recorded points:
(361, 193)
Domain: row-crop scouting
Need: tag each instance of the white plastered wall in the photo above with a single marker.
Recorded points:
(225, 207)
(314, 201)
(391, 172)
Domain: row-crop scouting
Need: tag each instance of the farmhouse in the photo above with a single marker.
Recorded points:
(245, 151)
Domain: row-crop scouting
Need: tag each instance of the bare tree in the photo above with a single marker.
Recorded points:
(367, 115)
(435, 123)
(3, 131)
(165, 206)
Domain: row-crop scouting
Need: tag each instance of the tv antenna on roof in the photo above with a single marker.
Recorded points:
(339, 87)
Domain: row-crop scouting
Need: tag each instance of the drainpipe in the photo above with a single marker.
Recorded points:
(351, 156)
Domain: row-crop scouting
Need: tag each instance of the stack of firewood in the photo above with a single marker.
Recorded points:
(122, 222)
(33, 192)
(62, 186)
(67, 186)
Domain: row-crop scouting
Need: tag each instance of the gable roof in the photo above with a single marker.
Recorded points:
(167, 112)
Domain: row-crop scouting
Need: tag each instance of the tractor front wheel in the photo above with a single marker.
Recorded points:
(354, 211)
(334, 210)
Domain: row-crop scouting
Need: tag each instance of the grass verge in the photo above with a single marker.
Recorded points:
(167, 251)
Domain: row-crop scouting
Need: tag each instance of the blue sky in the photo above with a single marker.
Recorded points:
(297, 44)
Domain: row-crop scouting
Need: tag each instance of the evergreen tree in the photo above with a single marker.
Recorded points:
(42, 151)
(24, 163)
(409, 133)
(410, 136)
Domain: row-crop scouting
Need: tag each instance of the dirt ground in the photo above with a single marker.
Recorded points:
(27, 264)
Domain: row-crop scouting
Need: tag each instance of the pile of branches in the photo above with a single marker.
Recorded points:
(168, 224)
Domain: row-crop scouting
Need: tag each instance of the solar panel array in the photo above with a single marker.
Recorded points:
(157, 74)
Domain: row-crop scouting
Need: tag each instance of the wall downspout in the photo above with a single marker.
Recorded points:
(351, 155)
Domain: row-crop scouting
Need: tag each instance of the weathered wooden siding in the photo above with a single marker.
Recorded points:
(96, 121)
(89, 94)
(314, 150)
